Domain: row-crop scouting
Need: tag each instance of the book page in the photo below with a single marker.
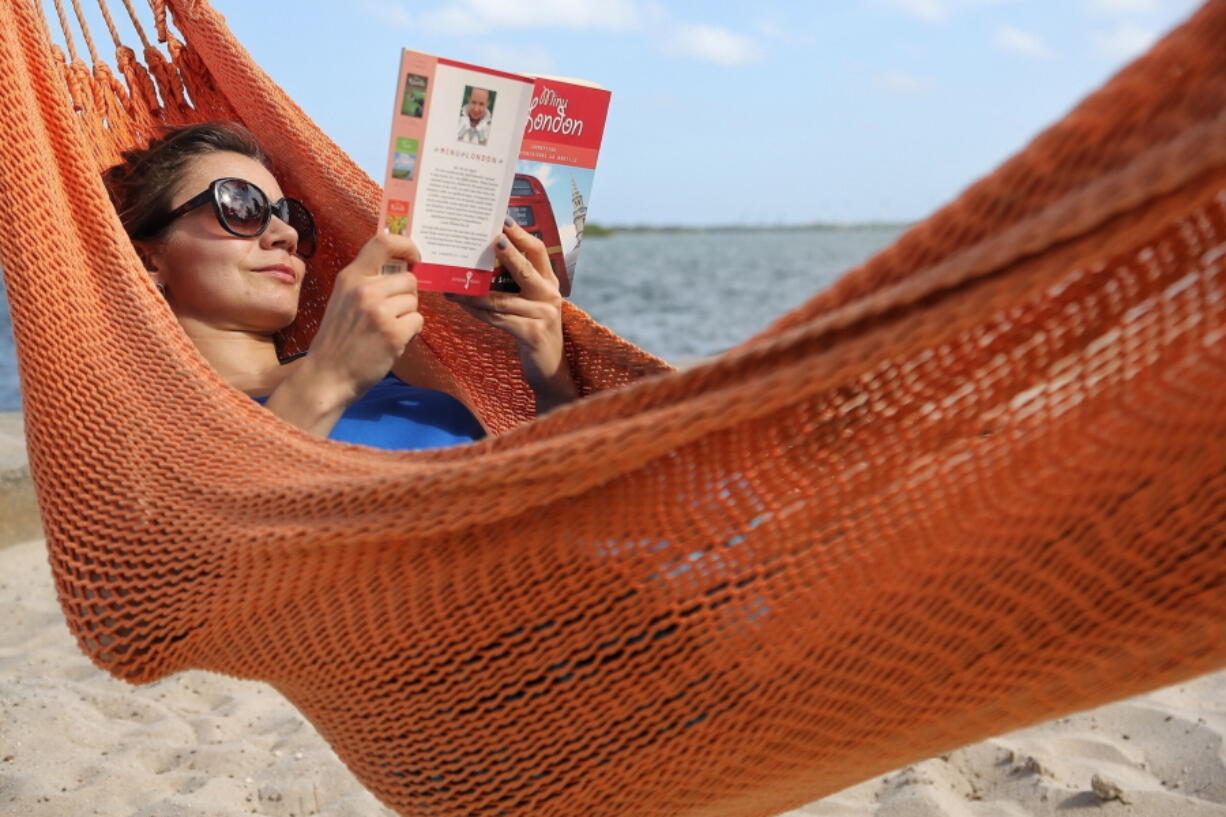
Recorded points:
(456, 132)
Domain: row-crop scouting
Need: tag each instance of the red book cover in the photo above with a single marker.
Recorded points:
(470, 145)
(553, 178)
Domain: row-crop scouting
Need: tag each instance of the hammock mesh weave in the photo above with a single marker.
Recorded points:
(978, 483)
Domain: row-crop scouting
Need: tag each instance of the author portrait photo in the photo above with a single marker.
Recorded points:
(476, 115)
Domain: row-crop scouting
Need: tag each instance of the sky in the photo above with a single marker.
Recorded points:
(759, 113)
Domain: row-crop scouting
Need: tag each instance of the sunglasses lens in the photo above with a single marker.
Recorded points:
(300, 219)
(244, 207)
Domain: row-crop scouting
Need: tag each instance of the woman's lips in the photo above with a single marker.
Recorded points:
(281, 273)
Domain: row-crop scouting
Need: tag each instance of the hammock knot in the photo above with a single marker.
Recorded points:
(198, 80)
(79, 82)
(115, 105)
(169, 85)
(143, 104)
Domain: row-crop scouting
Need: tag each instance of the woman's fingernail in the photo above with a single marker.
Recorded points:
(502, 242)
(508, 221)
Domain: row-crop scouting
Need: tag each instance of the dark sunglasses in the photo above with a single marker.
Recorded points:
(242, 209)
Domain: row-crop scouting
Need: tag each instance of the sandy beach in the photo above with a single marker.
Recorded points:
(74, 741)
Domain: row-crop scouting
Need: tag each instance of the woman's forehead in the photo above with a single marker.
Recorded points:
(221, 164)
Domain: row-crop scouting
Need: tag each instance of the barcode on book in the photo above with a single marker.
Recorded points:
(393, 267)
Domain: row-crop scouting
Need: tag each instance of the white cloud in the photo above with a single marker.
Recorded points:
(653, 14)
(709, 43)
(1123, 42)
(483, 16)
(1123, 6)
(774, 29)
(935, 11)
(770, 28)
(543, 171)
(931, 10)
(900, 82)
(699, 41)
(1011, 38)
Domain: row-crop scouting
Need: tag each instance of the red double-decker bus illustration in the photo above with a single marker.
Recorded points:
(530, 208)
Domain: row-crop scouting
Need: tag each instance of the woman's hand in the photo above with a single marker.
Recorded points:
(533, 316)
(370, 319)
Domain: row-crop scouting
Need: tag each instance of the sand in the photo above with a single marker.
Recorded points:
(74, 741)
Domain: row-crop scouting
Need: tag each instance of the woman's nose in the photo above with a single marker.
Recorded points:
(280, 234)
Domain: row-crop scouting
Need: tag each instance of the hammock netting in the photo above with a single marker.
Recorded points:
(978, 483)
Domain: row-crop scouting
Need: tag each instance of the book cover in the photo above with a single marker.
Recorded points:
(470, 145)
(553, 177)
(456, 135)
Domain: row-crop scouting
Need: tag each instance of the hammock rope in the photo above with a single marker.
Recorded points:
(975, 484)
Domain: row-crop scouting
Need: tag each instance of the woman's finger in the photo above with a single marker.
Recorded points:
(400, 305)
(389, 285)
(515, 324)
(384, 248)
(525, 257)
(532, 283)
(505, 302)
(411, 323)
(528, 244)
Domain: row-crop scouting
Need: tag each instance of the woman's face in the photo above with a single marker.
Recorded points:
(220, 281)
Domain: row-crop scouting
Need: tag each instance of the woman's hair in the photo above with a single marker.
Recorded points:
(142, 185)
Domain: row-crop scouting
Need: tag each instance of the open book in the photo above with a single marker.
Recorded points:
(471, 145)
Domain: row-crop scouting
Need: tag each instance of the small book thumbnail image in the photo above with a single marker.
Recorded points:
(397, 219)
(414, 102)
(404, 160)
(476, 115)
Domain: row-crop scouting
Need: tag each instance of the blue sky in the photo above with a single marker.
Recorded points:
(775, 111)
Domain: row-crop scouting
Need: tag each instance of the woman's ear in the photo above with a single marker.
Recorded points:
(150, 258)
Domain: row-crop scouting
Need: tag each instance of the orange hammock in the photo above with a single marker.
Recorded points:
(978, 483)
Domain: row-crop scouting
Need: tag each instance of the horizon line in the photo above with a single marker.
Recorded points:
(599, 228)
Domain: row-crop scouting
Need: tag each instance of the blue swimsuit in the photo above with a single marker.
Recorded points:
(399, 417)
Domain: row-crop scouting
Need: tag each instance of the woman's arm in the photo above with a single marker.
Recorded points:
(369, 320)
(533, 316)
(310, 400)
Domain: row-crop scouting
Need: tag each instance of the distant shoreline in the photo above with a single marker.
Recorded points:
(594, 230)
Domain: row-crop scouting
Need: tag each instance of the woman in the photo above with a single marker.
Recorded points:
(228, 251)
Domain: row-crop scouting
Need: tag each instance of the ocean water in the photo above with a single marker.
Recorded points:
(687, 295)
(678, 295)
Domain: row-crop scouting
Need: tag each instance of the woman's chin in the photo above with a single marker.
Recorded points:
(269, 321)
(283, 320)
(278, 313)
